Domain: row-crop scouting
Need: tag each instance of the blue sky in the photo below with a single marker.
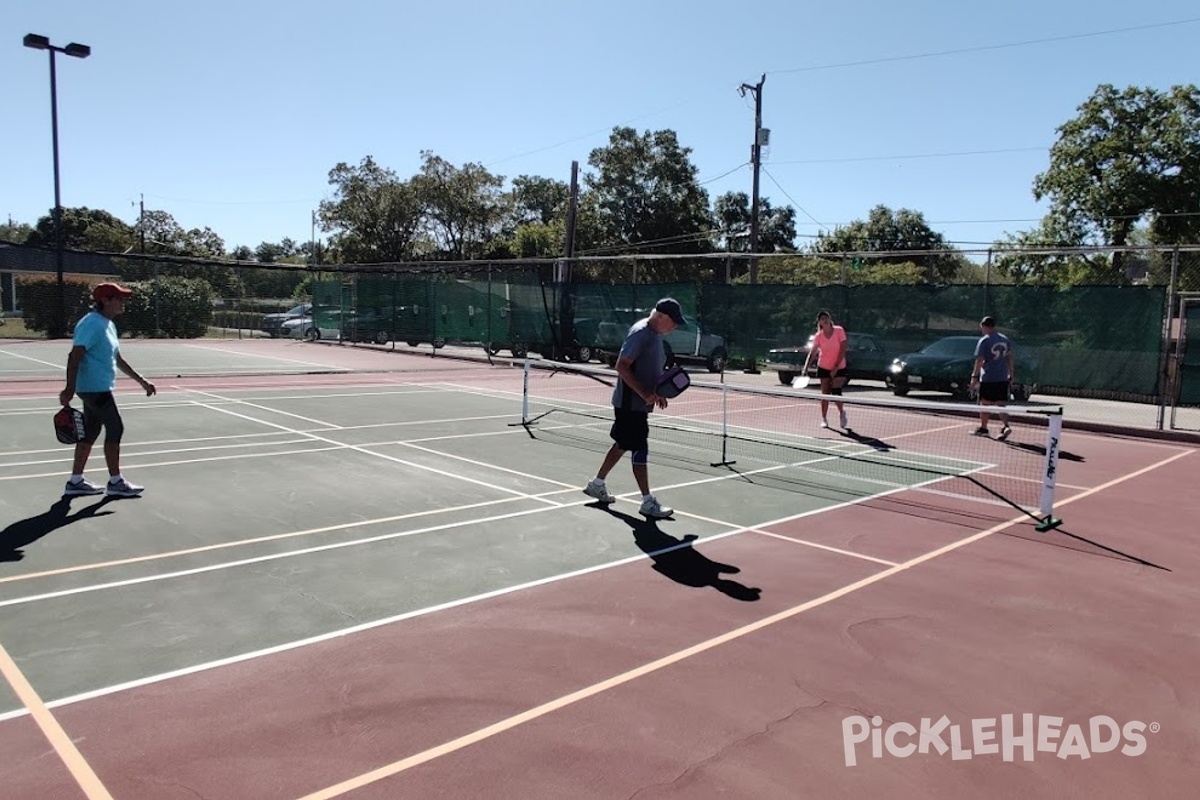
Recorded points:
(231, 114)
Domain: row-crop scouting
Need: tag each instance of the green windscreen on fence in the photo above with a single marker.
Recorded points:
(1103, 338)
(1189, 374)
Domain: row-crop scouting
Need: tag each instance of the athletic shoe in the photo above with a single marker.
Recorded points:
(652, 508)
(1004, 432)
(981, 432)
(82, 487)
(123, 488)
(598, 490)
(845, 421)
(824, 423)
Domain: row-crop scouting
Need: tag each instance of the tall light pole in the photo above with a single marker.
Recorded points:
(58, 327)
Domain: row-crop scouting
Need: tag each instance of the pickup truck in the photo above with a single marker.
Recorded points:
(683, 345)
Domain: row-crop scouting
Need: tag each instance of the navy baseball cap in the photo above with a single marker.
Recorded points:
(672, 309)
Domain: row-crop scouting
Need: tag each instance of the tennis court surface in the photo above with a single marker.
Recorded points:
(374, 575)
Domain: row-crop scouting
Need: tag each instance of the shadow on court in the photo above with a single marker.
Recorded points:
(27, 531)
(678, 560)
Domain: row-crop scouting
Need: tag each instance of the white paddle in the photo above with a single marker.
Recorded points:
(800, 382)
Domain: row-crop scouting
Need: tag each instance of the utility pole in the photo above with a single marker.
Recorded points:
(756, 161)
(142, 222)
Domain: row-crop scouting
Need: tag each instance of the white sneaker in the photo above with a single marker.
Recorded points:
(824, 424)
(598, 490)
(652, 508)
(845, 421)
(1004, 433)
(123, 488)
(82, 487)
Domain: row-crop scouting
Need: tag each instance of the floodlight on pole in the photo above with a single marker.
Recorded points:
(58, 322)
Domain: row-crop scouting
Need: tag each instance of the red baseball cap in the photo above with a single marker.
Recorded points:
(107, 291)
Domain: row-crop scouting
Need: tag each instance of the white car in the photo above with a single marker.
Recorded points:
(306, 328)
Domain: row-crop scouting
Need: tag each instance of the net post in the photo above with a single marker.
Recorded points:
(724, 462)
(1050, 473)
(525, 392)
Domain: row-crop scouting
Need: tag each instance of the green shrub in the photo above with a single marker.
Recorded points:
(170, 308)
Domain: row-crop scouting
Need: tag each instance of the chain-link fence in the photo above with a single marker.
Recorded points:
(1092, 323)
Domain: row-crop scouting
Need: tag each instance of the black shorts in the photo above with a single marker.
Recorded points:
(630, 429)
(824, 373)
(994, 391)
(100, 411)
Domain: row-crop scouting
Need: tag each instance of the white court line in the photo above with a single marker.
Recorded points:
(61, 367)
(324, 637)
(165, 676)
(383, 537)
(339, 370)
(396, 767)
(365, 451)
(798, 540)
(64, 748)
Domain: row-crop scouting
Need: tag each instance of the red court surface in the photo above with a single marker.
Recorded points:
(628, 682)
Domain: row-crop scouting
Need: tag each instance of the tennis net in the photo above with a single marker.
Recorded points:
(887, 445)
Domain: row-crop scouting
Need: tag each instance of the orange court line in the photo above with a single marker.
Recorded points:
(395, 768)
(62, 744)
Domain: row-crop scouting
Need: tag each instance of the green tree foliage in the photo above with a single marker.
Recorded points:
(374, 216)
(776, 226)
(15, 232)
(84, 229)
(539, 240)
(894, 236)
(464, 208)
(1127, 156)
(537, 199)
(173, 308)
(644, 196)
(40, 299)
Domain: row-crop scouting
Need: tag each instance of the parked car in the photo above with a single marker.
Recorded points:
(272, 324)
(946, 365)
(866, 359)
(306, 327)
(689, 344)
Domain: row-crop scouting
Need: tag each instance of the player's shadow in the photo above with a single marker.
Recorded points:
(27, 531)
(678, 560)
(870, 441)
(1040, 449)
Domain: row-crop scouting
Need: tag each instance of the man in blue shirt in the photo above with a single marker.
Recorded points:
(92, 373)
(639, 365)
(992, 374)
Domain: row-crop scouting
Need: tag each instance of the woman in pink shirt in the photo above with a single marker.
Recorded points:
(829, 343)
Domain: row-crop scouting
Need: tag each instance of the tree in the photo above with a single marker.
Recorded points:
(15, 232)
(84, 229)
(538, 199)
(464, 207)
(900, 232)
(165, 236)
(776, 226)
(374, 217)
(644, 195)
(1128, 156)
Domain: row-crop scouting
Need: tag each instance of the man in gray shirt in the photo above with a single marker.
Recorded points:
(639, 365)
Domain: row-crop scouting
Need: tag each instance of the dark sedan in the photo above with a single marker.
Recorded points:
(866, 359)
(946, 365)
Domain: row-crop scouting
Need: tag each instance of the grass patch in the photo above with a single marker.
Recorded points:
(14, 328)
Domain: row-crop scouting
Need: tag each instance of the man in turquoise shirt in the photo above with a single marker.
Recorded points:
(92, 373)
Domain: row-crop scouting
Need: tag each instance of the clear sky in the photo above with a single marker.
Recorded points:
(231, 114)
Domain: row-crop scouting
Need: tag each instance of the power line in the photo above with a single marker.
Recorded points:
(984, 48)
(794, 203)
(947, 154)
